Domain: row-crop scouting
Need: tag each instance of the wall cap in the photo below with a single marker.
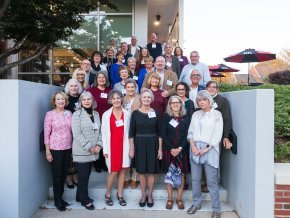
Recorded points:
(282, 173)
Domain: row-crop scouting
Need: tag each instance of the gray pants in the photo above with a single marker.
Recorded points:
(212, 184)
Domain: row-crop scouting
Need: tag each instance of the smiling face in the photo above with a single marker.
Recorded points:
(168, 49)
(80, 77)
(160, 63)
(131, 63)
(178, 51)
(130, 89)
(87, 101)
(194, 57)
(144, 52)
(146, 99)
(133, 40)
(124, 74)
(175, 105)
(148, 64)
(120, 58)
(204, 104)
(101, 80)
(59, 101)
(73, 88)
(85, 65)
(195, 77)
(180, 90)
(116, 101)
(97, 58)
(155, 81)
(212, 89)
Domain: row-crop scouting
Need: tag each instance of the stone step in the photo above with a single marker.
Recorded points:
(97, 190)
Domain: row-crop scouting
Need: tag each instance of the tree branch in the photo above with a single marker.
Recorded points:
(16, 63)
(13, 49)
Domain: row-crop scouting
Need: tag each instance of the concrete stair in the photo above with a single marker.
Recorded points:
(97, 189)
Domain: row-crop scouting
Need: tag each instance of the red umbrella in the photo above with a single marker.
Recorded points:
(250, 55)
(216, 74)
(222, 68)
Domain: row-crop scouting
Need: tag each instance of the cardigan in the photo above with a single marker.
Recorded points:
(134, 106)
(175, 65)
(106, 136)
(86, 135)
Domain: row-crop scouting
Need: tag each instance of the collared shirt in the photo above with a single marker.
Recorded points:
(202, 68)
(192, 95)
(161, 74)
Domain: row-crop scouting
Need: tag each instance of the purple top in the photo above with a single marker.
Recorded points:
(182, 62)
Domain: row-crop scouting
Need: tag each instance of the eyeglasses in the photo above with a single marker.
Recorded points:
(180, 89)
(213, 87)
(175, 102)
(194, 56)
(86, 63)
(195, 75)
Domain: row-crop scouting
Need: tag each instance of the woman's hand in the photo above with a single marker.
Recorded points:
(175, 151)
(160, 154)
(203, 151)
(97, 149)
(49, 157)
(106, 155)
(194, 150)
(227, 143)
(131, 152)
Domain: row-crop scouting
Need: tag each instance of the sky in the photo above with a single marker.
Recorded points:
(225, 27)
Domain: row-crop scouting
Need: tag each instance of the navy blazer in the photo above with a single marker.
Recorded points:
(155, 52)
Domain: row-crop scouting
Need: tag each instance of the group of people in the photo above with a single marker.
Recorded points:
(136, 124)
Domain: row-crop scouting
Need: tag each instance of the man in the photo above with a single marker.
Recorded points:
(124, 50)
(194, 86)
(113, 45)
(154, 47)
(133, 48)
(172, 62)
(168, 77)
(195, 65)
(90, 77)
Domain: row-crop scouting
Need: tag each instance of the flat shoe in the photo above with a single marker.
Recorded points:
(180, 204)
(89, 206)
(193, 209)
(150, 204)
(169, 204)
(216, 214)
(142, 204)
(61, 208)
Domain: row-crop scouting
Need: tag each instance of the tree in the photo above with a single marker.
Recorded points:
(41, 23)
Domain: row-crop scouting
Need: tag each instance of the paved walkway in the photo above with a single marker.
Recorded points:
(74, 213)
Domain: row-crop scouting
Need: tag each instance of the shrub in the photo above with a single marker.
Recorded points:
(280, 77)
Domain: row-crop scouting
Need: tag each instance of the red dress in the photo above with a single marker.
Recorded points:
(117, 135)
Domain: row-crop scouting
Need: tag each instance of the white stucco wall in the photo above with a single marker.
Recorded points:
(25, 174)
(249, 175)
(141, 22)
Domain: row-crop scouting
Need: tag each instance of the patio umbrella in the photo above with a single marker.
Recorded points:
(250, 55)
(221, 68)
(217, 74)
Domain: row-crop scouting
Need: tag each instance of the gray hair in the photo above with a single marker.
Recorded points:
(106, 77)
(144, 90)
(130, 80)
(169, 111)
(131, 58)
(115, 92)
(195, 52)
(203, 94)
(67, 86)
(84, 94)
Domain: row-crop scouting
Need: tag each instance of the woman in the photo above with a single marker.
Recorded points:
(96, 65)
(87, 144)
(131, 103)
(182, 59)
(205, 132)
(148, 68)
(143, 54)
(133, 72)
(159, 103)
(124, 75)
(73, 89)
(145, 138)
(80, 76)
(174, 135)
(58, 141)
(114, 69)
(109, 58)
(115, 135)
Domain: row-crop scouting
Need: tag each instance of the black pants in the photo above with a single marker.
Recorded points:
(84, 172)
(59, 167)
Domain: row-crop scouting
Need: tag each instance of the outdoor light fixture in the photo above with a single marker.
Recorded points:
(157, 21)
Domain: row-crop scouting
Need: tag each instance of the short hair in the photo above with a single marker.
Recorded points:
(150, 58)
(131, 58)
(196, 52)
(203, 94)
(67, 86)
(52, 99)
(155, 75)
(119, 53)
(169, 111)
(124, 43)
(84, 94)
(212, 82)
(89, 62)
(78, 71)
(130, 80)
(96, 53)
(168, 43)
(180, 50)
(115, 92)
(123, 67)
(106, 77)
(112, 39)
(144, 90)
(187, 89)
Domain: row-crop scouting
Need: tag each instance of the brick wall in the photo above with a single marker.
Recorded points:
(282, 201)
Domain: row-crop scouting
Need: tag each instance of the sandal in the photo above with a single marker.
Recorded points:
(180, 204)
(169, 204)
(109, 200)
(121, 200)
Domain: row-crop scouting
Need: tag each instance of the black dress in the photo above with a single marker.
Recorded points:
(189, 106)
(174, 137)
(146, 133)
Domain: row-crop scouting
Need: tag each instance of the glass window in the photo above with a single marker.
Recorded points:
(124, 6)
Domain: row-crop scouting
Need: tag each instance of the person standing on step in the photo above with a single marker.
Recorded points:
(154, 47)
(204, 134)
(174, 136)
(87, 143)
(171, 61)
(146, 142)
(115, 133)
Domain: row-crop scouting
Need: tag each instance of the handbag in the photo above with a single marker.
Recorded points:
(173, 176)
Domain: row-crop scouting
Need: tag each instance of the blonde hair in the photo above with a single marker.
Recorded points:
(155, 75)
(52, 99)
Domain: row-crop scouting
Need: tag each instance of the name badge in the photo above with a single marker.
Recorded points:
(154, 45)
(124, 91)
(119, 123)
(151, 114)
(104, 95)
(123, 61)
(180, 59)
(135, 77)
(169, 82)
(214, 105)
(65, 113)
(76, 104)
(142, 62)
(173, 123)
(95, 126)
(168, 64)
(128, 107)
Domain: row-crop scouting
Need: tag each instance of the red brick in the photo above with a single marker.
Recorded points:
(282, 187)
(278, 206)
(286, 194)
(282, 200)
(279, 193)
(282, 212)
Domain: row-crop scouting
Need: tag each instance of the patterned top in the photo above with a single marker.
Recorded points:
(57, 130)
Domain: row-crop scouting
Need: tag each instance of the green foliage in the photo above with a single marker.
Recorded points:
(282, 152)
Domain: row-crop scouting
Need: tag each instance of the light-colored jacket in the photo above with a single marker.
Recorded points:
(86, 135)
(135, 105)
(106, 136)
